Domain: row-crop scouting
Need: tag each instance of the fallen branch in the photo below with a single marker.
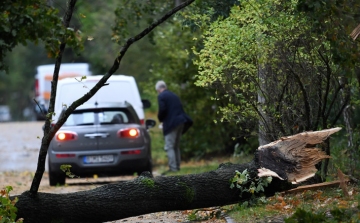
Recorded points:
(288, 160)
(299, 189)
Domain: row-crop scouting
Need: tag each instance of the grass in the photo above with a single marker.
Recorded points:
(203, 165)
(327, 205)
(323, 205)
(157, 142)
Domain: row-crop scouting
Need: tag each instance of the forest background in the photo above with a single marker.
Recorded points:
(290, 66)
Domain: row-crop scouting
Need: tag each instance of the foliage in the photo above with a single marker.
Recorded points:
(28, 27)
(175, 66)
(246, 147)
(27, 20)
(337, 215)
(213, 9)
(336, 20)
(269, 66)
(99, 21)
(302, 216)
(92, 21)
(241, 181)
(7, 207)
(343, 157)
(327, 202)
(134, 14)
(66, 169)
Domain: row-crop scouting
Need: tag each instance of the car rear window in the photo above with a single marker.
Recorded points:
(108, 116)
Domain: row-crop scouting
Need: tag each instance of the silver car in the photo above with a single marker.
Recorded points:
(101, 139)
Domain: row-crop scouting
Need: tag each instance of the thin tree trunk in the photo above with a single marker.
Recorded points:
(45, 142)
(347, 114)
(263, 131)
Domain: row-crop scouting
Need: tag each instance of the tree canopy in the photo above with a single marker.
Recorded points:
(303, 74)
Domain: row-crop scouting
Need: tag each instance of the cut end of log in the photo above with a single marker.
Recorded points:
(293, 158)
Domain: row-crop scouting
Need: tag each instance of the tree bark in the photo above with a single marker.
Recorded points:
(289, 161)
(45, 142)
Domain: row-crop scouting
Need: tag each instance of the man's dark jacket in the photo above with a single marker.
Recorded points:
(171, 112)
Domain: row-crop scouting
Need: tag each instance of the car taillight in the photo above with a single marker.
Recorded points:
(142, 122)
(129, 133)
(65, 136)
(131, 152)
(64, 155)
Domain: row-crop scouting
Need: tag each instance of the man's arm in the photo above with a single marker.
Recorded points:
(162, 109)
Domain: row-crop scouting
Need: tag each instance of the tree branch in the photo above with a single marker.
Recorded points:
(45, 142)
(50, 132)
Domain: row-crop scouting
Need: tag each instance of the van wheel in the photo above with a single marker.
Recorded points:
(56, 179)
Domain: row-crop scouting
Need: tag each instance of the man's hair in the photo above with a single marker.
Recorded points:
(160, 85)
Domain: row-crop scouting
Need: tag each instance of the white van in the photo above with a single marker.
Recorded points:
(120, 88)
(43, 80)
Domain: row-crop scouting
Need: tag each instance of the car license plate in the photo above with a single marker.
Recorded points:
(99, 159)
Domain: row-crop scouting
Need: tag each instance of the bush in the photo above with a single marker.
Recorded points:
(7, 207)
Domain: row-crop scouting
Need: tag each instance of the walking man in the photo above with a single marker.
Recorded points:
(175, 123)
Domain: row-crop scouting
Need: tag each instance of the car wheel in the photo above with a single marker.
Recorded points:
(56, 178)
(148, 167)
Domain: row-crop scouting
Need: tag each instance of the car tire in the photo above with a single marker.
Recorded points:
(56, 178)
(147, 168)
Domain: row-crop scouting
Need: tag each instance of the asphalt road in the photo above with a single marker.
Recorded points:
(19, 145)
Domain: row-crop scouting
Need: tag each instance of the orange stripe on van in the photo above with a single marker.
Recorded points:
(49, 77)
(46, 95)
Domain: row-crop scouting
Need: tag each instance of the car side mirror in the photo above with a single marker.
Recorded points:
(150, 123)
(146, 103)
(44, 110)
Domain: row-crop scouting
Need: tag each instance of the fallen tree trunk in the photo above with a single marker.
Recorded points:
(289, 160)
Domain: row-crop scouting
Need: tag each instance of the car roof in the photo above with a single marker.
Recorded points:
(114, 77)
(98, 105)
